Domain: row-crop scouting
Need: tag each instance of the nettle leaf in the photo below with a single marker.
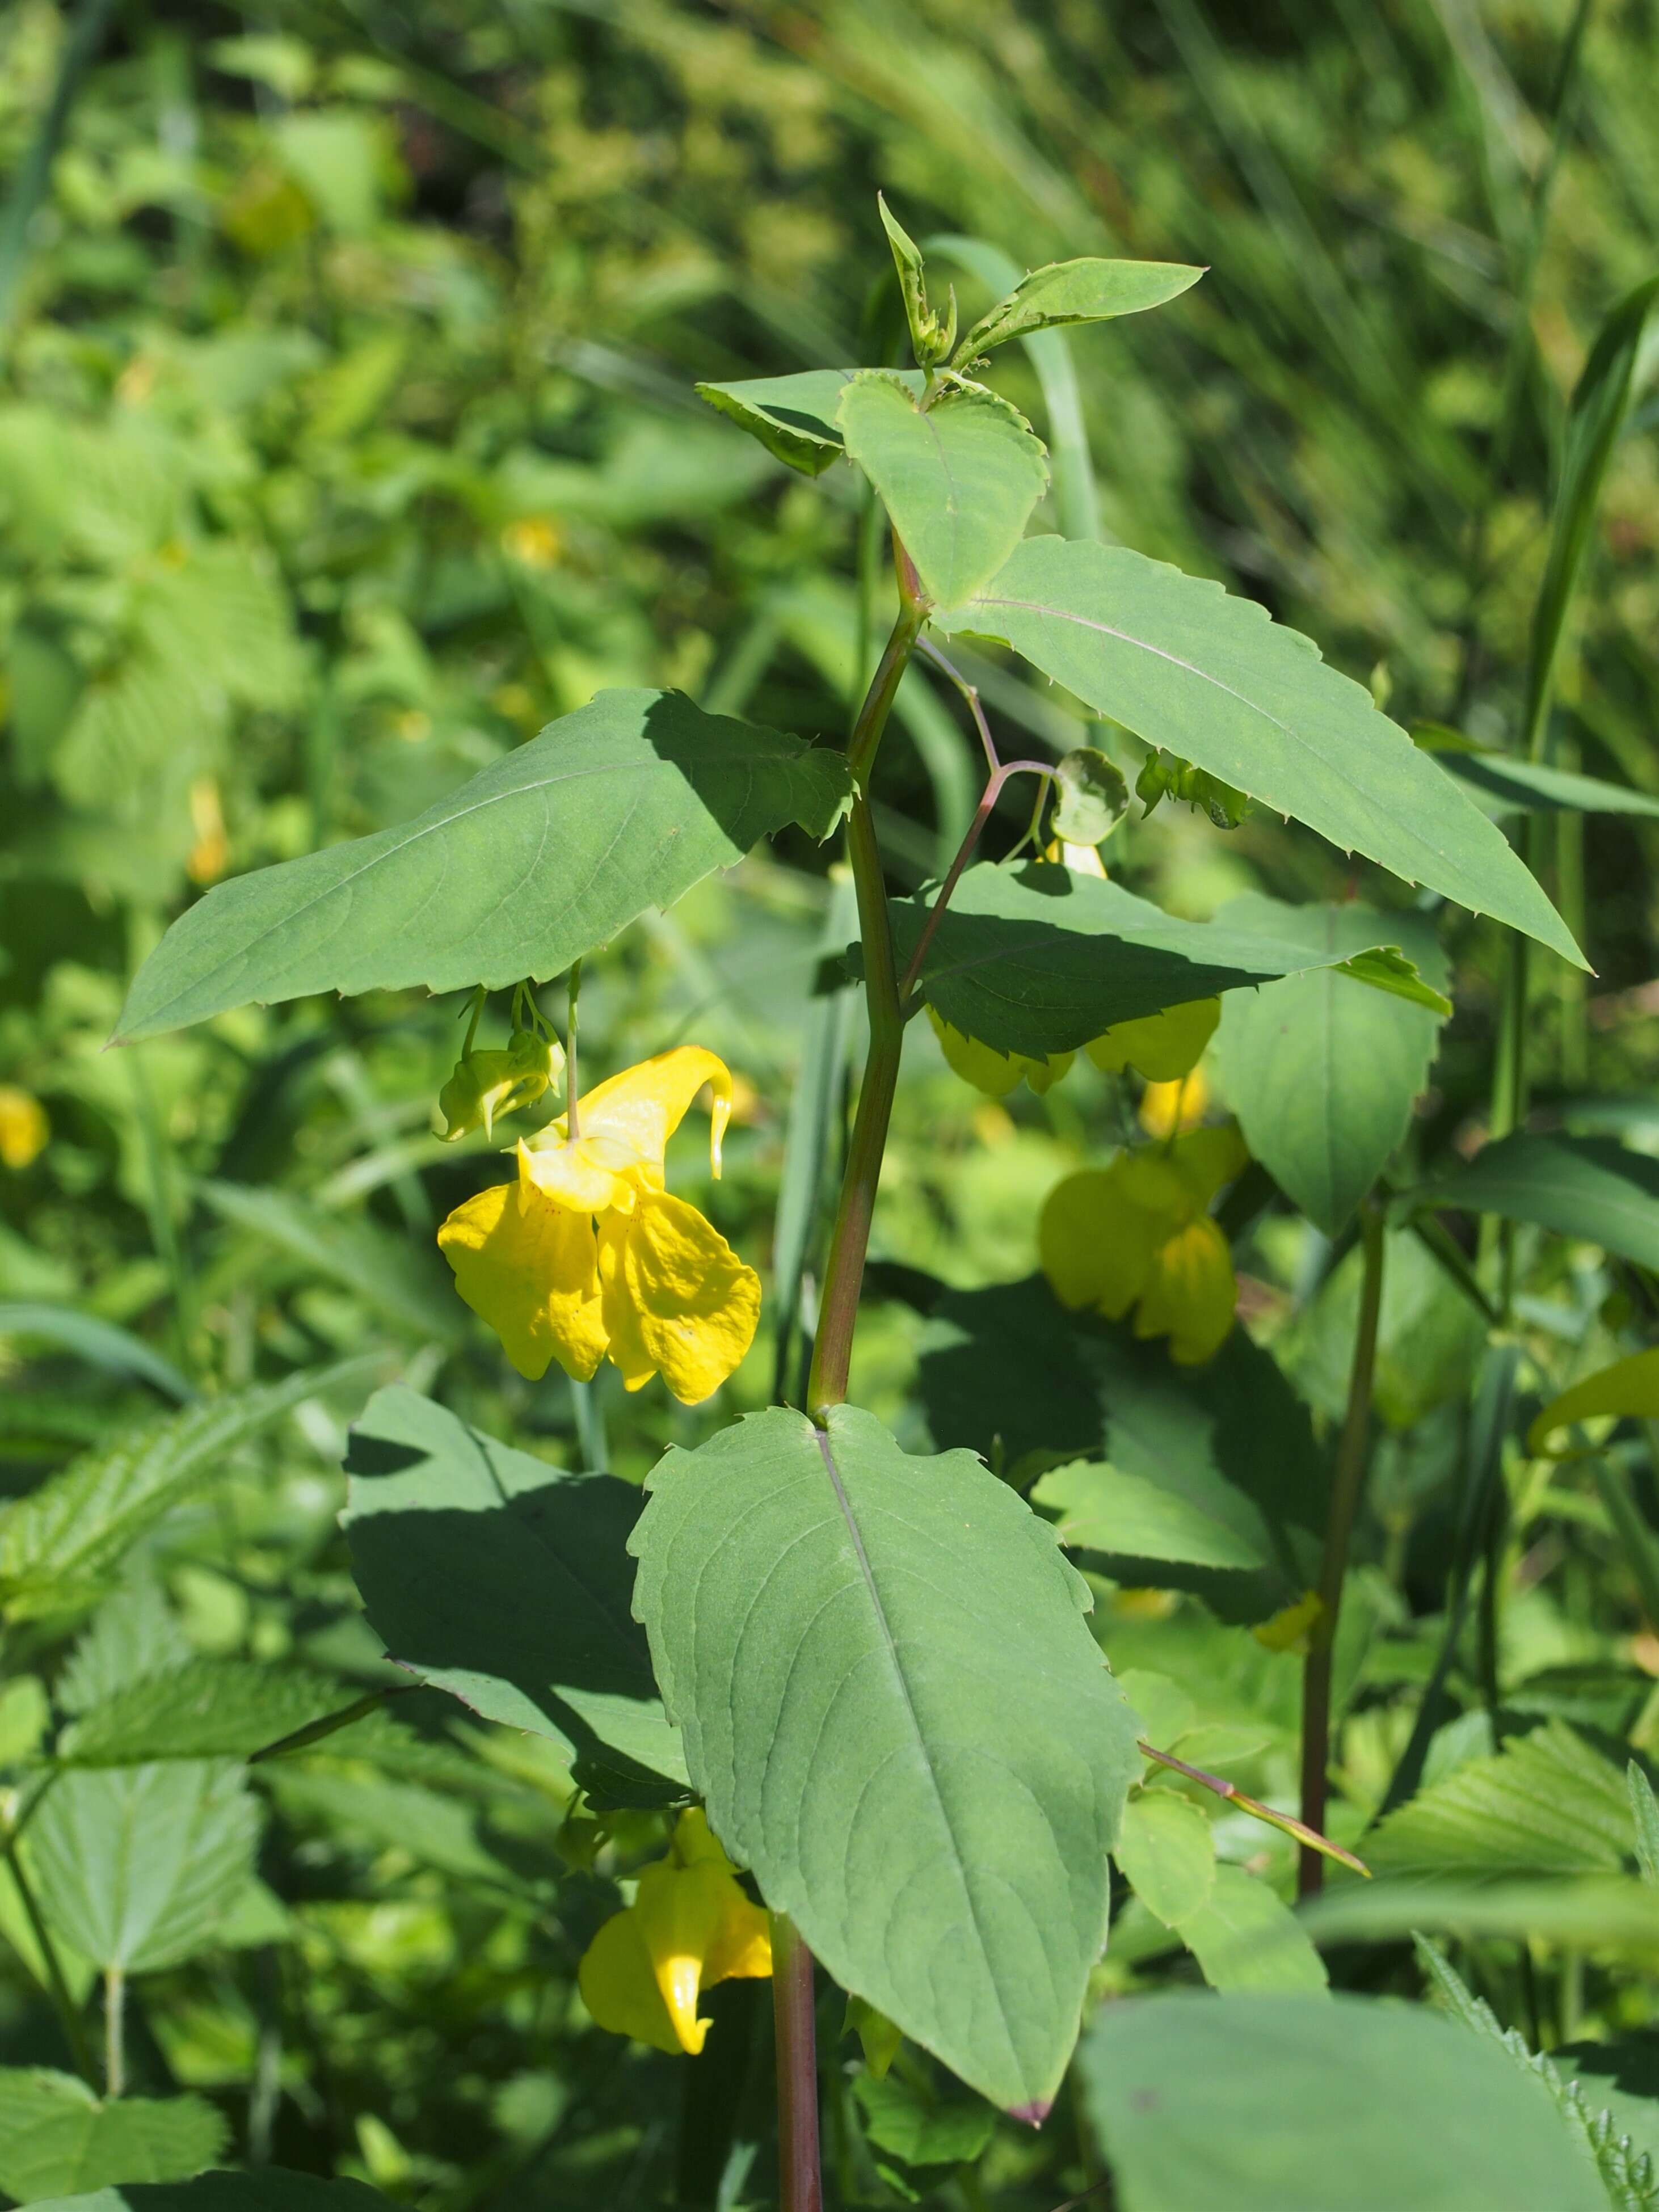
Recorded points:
(56, 2136)
(269, 2189)
(1186, 666)
(1588, 1188)
(1547, 1803)
(891, 1701)
(1259, 2102)
(530, 865)
(61, 1543)
(794, 418)
(1067, 292)
(959, 479)
(1042, 958)
(1321, 1070)
(138, 1865)
(505, 1582)
(208, 1708)
(1009, 1372)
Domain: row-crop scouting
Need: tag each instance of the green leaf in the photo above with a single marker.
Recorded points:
(59, 1545)
(1595, 416)
(407, 1284)
(1628, 1387)
(530, 865)
(1590, 1188)
(505, 1582)
(1621, 2078)
(1521, 786)
(209, 1708)
(893, 1707)
(930, 337)
(1245, 1938)
(1545, 1804)
(56, 2136)
(100, 1343)
(1645, 1816)
(959, 480)
(267, 2189)
(133, 1635)
(1321, 1071)
(1092, 796)
(1586, 1911)
(1067, 292)
(1186, 665)
(1165, 1851)
(1263, 2102)
(919, 2129)
(794, 416)
(1101, 1508)
(136, 1866)
(1042, 958)
(1009, 1372)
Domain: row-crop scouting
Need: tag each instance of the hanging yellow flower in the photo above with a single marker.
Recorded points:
(689, 1925)
(587, 1257)
(1169, 1108)
(1139, 1233)
(1163, 1048)
(24, 1128)
(993, 1072)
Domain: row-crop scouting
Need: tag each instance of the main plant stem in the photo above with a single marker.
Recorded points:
(800, 2174)
(1345, 1487)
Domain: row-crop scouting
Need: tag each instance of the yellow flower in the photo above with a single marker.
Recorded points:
(689, 1925)
(1139, 1233)
(24, 1128)
(1161, 1046)
(997, 1072)
(1166, 1108)
(586, 1257)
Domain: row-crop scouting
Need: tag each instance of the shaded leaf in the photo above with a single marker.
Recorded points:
(958, 480)
(1262, 2102)
(530, 865)
(1186, 665)
(922, 2131)
(794, 416)
(1588, 1187)
(56, 2136)
(505, 1580)
(891, 1701)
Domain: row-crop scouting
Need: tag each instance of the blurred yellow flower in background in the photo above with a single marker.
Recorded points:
(690, 1926)
(24, 1128)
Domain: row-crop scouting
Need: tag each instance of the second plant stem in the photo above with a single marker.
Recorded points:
(1346, 1486)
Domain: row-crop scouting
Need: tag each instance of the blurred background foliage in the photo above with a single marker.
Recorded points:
(346, 437)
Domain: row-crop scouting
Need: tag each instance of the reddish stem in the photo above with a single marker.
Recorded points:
(965, 853)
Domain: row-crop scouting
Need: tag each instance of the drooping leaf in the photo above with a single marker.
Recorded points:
(209, 1708)
(1067, 292)
(1245, 1938)
(530, 865)
(959, 480)
(1101, 1509)
(1546, 1803)
(1321, 1071)
(56, 2137)
(892, 1703)
(407, 1285)
(1166, 1853)
(268, 2188)
(138, 1865)
(1009, 1372)
(1262, 2102)
(794, 416)
(1188, 666)
(1629, 1386)
(505, 1582)
(1042, 958)
(1588, 1187)
(60, 1543)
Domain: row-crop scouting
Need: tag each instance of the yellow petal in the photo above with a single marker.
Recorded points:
(1095, 1244)
(695, 1302)
(627, 1346)
(531, 1271)
(643, 1106)
(996, 1073)
(1190, 1293)
(1167, 1107)
(617, 1979)
(584, 1175)
(1160, 1047)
